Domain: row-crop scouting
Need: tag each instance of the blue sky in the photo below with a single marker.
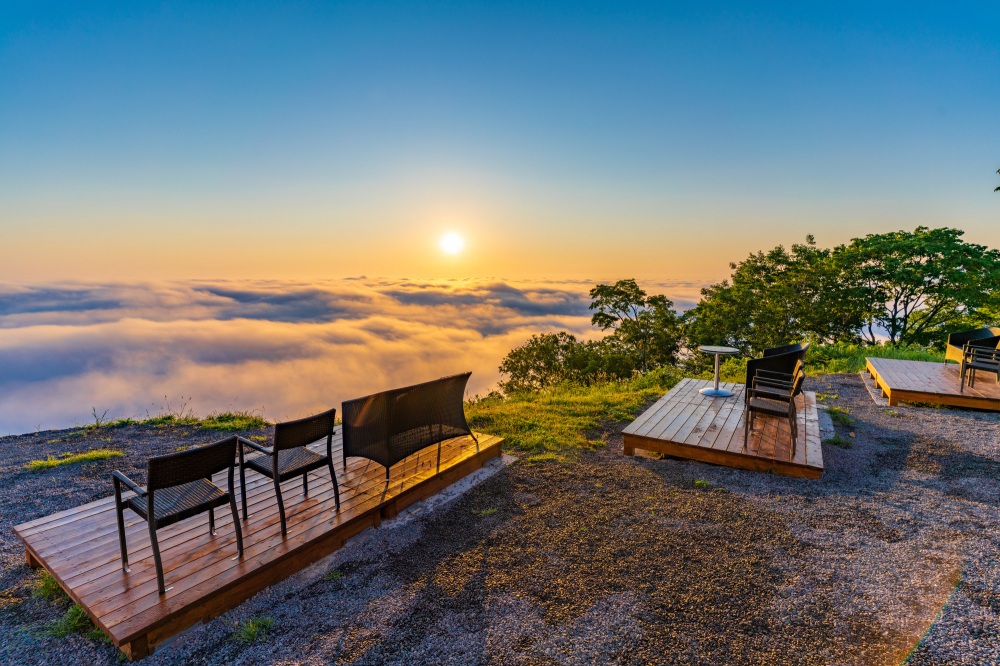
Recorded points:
(653, 140)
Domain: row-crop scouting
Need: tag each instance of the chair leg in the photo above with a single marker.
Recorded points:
(243, 490)
(305, 483)
(120, 510)
(211, 521)
(156, 557)
(236, 524)
(746, 427)
(281, 507)
(336, 490)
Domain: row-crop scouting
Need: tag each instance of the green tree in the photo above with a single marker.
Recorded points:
(648, 323)
(920, 284)
(538, 363)
(777, 297)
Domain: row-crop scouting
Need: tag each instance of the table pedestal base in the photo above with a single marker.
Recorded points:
(716, 393)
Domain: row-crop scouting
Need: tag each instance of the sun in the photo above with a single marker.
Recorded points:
(452, 243)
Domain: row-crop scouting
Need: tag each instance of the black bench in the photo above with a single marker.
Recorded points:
(389, 426)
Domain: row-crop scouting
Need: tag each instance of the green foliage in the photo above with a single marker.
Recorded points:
(777, 297)
(72, 459)
(566, 416)
(919, 285)
(845, 358)
(551, 358)
(234, 421)
(701, 484)
(645, 323)
(254, 629)
(74, 621)
(333, 574)
(48, 588)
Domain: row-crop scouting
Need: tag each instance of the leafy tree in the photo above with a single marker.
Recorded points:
(920, 284)
(777, 297)
(538, 363)
(648, 323)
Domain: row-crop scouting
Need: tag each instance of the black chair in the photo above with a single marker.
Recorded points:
(975, 357)
(178, 486)
(774, 395)
(288, 457)
(777, 362)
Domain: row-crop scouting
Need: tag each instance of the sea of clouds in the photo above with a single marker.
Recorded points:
(282, 348)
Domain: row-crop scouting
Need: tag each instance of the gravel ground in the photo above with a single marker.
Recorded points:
(892, 555)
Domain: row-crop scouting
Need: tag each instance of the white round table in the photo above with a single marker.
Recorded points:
(719, 352)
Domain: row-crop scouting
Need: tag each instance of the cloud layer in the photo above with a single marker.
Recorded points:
(286, 348)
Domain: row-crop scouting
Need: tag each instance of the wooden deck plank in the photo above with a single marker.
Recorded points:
(706, 429)
(931, 382)
(80, 546)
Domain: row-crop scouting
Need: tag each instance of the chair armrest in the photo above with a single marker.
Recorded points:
(772, 386)
(984, 354)
(253, 445)
(766, 374)
(118, 477)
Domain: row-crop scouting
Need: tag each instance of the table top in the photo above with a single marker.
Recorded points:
(709, 349)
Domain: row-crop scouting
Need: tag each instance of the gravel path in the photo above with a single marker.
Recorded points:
(891, 555)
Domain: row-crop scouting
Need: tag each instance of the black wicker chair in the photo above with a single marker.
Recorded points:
(975, 357)
(178, 486)
(774, 395)
(288, 457)
(777, 362)
(389, 426)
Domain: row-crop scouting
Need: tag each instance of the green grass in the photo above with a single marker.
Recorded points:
(48, 588)
(333, 574)
(840, 440)
(254, 629)
(551, 423)
(73, 621)
(840, 415)
(484, 513)
(50, 462)
(701, 484)
(844, 358)
(233, 421)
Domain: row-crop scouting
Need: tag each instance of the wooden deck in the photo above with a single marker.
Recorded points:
(686, 424)
(937, 383)
(80, 546)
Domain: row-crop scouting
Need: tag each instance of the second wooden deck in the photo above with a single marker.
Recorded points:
(935, 383)
(79, 546)
(686, 424)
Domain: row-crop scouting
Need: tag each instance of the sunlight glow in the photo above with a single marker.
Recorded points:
(452, 243)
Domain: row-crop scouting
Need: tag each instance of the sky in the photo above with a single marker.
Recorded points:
(208, 206)
(313, 140)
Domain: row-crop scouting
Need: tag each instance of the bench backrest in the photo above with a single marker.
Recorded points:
(389, 426)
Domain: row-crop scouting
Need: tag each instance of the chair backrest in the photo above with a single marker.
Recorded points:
(960, 338)
(785, 363)
(302, 432)
(389, 426)
(801, 347)
(200, 462)
(985, 343)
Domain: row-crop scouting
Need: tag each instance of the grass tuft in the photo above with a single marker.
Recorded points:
(234, 421)
(840, 415)
(254, 629)
(74, 621)
(48, 588)
(93, 455)
(840, 441)
(701, 484)
(484, 513)
(333, 574)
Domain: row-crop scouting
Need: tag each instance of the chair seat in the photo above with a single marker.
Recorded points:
(766, 406)
(179, 502)
(291, 462)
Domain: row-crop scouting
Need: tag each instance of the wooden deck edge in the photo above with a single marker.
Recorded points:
(716, 457)
(140, 644)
